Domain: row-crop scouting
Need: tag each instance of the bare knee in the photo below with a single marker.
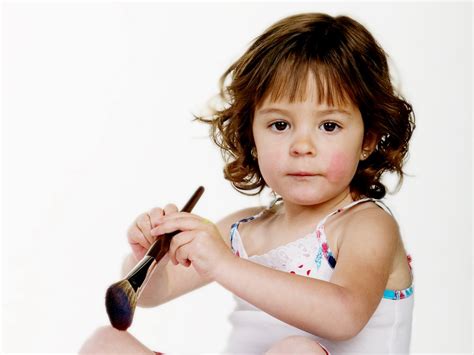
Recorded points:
(108, 340)
(296, 344)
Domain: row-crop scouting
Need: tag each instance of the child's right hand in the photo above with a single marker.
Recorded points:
(138, 234)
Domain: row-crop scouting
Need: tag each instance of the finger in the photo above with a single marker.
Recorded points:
(177, 242)
(135, 235)
(183, 254)
(137, 241)
(170, 209)
(179, 221)
(155, 213)
(143, 223)
(138, 251)
(133, 231)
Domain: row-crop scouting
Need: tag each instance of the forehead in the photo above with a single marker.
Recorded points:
(307, 91)
(300, 82)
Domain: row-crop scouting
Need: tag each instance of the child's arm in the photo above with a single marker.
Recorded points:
(335, 310)
(169, 281)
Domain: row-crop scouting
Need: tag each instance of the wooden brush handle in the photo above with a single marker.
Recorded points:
(162, 244)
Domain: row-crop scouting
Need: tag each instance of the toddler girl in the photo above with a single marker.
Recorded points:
(311, 114)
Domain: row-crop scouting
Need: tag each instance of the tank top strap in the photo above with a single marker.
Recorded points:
(321, 234)
(255, 216)
(235, 241)
(352, 204)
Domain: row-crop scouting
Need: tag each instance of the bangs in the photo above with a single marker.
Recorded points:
(291, 78)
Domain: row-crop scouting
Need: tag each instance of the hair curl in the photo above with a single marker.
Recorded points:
(349, 67)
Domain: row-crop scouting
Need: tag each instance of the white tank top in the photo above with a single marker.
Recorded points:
(254, 331)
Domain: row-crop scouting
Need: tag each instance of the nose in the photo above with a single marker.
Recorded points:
(303, 145)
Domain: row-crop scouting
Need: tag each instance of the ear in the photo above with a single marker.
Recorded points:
(368, 145)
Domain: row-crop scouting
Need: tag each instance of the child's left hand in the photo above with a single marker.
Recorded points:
(199, 243)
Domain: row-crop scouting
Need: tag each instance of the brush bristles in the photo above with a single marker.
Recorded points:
(120, 302)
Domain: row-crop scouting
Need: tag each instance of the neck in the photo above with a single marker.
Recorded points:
(294, 214)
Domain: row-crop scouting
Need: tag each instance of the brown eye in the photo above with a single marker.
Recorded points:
(330, 126)
(279, 125)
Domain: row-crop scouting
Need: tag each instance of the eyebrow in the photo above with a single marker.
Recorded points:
(323, 112)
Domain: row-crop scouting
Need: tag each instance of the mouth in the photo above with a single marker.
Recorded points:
(302, 173)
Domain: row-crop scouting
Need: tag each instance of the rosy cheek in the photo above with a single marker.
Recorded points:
(339, 167)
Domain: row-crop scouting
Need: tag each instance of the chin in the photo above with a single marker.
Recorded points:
(306, 201)
(305, 197)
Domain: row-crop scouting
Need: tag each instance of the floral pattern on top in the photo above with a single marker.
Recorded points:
(304, 256)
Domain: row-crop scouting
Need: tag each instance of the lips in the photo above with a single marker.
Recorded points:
(302, 173)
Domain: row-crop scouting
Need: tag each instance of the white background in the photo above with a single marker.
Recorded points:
(97, 108)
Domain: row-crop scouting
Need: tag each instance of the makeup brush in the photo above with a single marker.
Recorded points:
(121, 297)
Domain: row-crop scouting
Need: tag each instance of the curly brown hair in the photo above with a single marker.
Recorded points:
(349, 66)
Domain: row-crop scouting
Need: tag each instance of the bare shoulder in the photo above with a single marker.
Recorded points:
(225, 223)
(372, 218)
(370, 225)
(374, 234)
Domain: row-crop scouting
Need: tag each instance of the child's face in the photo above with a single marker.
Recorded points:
(306, 155)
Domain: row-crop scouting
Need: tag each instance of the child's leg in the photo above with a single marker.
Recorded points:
(107, 340)
(297, 345)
